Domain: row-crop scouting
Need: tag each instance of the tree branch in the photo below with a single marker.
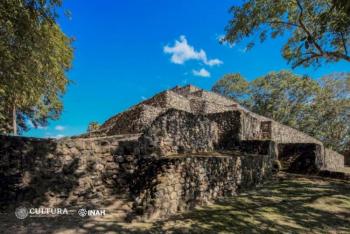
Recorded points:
(282, 22)
(344, 43)
(302, 25)
(311, 57)
(338, 55)
(321, 52)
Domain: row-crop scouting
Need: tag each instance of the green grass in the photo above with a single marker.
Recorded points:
(290, 203)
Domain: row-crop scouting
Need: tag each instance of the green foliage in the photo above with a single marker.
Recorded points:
(320, 108)
(318, 30)
(93, 126)
(232, 85)
(282, 96)
(34, 57)
(331, 112)
(343, 5)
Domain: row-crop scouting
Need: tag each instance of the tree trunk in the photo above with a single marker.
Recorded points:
(14, 119)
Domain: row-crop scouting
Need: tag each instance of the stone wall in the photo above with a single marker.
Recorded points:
(250, 129)
(253, 129)
(174, 184)
(207, 102)
(63, 172)
(179, 132)
(347, 158)
(333, 160)
(138, 117)
(258, 147)
(229, 128)
(132, 121)
(210, 107)
(170, 99)
(197, 106)
(88, 171)
(284, 134)
(214, 98)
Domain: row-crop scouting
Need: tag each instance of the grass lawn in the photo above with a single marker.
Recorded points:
(345, 169)
(288, 204)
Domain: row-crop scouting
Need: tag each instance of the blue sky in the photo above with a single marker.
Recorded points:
(126, 51)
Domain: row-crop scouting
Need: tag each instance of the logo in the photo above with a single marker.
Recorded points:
(21, 212)
(82, 212)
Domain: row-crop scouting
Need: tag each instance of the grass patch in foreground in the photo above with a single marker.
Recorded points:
(290, 203)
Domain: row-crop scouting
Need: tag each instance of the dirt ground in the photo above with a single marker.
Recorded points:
(288, 204)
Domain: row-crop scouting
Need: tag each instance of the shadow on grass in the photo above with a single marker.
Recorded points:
(289, 203)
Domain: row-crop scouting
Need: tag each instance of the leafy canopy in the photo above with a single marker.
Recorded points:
(282, 96)
(34, 57)
(317, 30)
(320, 108)
(93, 126)
(232, 85)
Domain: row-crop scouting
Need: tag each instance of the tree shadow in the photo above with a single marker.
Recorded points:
(291, 205)
(35, 174)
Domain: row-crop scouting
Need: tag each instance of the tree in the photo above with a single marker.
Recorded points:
(232, 85)
(93, 126)
(282, 96)
(320, 108)
(318, 30)
(34, 57)
(331, 112)
(343, 5)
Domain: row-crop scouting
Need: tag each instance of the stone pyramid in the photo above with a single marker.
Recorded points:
(188, 98)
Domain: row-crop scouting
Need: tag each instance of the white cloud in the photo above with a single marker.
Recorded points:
(181, 52)
(202, 72)
(143, 98)
(41, 128)
(59, 128)
(213, 62)
(49, 135)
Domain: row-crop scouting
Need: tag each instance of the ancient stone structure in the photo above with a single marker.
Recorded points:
(182, 147)
(347, 157)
